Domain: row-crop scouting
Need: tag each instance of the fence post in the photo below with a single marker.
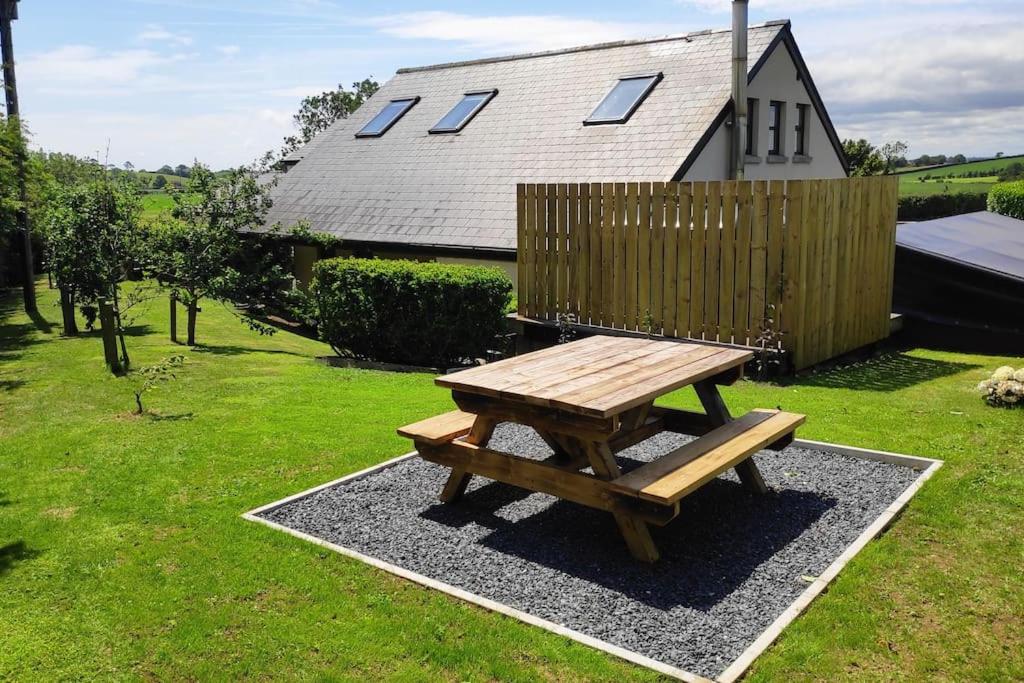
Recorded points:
(109, 335)
(174, 318)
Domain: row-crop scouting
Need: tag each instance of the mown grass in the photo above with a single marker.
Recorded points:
(122, 554)
(154, 203)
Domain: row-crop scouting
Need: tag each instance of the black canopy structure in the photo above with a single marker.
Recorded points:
(965, 274)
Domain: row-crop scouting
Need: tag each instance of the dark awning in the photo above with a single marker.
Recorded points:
(983, 240)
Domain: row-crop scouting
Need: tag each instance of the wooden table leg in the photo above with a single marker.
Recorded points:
(718, 413)
(458, 480)
(634, 531)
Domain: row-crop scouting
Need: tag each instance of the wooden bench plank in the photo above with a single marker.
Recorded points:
(440, 428)
(688, 467)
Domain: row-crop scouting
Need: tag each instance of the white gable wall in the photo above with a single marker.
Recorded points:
(777, 80)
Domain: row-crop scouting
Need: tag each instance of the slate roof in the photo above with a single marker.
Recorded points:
(458, 190)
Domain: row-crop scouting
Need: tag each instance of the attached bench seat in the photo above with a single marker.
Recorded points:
(439, 429)
(679, 473)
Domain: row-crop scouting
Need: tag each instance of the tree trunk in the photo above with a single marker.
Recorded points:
(67, 309)
(193, 309)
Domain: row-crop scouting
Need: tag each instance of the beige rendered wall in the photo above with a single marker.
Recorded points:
(777, 80)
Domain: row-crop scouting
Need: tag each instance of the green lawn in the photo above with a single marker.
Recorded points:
(122, 554)
(154, 203)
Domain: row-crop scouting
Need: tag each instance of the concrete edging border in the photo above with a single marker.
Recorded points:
(926, 466)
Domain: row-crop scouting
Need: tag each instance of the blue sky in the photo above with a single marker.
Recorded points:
(167, 81)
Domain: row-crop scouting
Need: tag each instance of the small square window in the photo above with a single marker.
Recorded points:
(387, 117)
(461, 114)
(619, 104)
(776, 125)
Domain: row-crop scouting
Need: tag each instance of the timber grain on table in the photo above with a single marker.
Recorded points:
(590, 399)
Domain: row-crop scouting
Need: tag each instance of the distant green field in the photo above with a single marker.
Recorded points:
(946, 180)
(154, 203)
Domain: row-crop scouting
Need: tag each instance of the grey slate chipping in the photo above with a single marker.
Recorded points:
(458, 190)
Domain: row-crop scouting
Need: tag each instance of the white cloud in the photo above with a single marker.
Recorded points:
(86, 65)
(490, 34)
(229, 50)
(155, 33)
(957, 69)
(300, 91)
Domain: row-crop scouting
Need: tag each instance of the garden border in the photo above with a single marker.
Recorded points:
(926, 466)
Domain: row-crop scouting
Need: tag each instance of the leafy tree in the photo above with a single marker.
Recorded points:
(10, 202)
(318, 112)
(93, 243)
(129, 166)
(181, 170)
(165, 170)
(198, 248)
(890, 152)
(862, 157)
(159, 182)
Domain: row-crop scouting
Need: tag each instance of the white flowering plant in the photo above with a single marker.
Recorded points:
(1004, 388)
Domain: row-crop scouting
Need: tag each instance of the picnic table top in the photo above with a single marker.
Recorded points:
(598, 376)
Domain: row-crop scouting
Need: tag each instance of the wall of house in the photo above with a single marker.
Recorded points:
(777, 80)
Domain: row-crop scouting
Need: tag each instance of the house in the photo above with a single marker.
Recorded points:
(960, 279)
(427, 168)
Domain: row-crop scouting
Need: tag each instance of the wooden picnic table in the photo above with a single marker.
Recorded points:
(590, 399)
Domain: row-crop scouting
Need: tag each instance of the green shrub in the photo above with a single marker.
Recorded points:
(408, 312)
(927, 207)
(1007, 199)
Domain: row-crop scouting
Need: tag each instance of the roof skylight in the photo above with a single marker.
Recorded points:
(619, 104)
(387, 117)
(464, 111)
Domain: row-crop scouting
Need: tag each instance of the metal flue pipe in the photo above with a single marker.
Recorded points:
(739, 88)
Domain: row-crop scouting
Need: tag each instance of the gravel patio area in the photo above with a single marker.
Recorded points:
(731, 562)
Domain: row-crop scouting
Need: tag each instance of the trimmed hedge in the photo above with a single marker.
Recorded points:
(940, 205)
(1007, 199)
(407, 312)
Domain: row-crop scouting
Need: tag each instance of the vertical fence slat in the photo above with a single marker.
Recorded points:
(796, 262)
(619, 253)
(889, 244)
(656, 281)
(711, 227)
(831, 267)
(583, 253)
(774, 255)
(596, 283)
(632, 246)
(643, 253)
(541, 273)
(521, 252)
(551, 239)
(727, 267)
(698, 258)
(670, 265)
(572, 251)
(684, 211)
(758, 259)
(607, 253)
(741, 291)
(562, 267)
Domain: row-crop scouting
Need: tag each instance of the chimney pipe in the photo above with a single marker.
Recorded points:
(739, 88)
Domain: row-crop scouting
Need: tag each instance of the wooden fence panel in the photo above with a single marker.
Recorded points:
(714, 260)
